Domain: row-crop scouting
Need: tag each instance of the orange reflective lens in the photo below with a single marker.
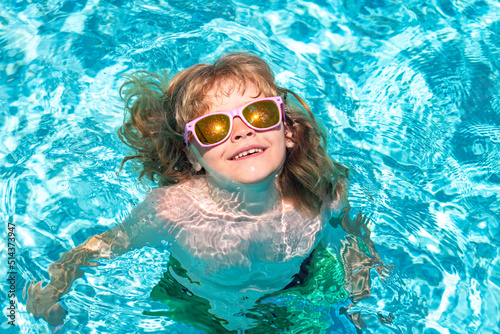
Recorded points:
(216, 127)
(212, 129)
(262, 114)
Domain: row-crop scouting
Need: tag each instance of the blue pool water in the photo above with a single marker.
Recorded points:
(409, 93)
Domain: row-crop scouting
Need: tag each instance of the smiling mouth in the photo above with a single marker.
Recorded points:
(247, 153)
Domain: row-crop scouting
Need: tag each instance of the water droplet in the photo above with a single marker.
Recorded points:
(63, 186)
(88, 160)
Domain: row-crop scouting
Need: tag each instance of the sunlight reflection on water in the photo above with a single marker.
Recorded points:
(408, 90)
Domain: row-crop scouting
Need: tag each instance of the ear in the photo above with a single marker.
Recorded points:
(288, 137)
(193, 160)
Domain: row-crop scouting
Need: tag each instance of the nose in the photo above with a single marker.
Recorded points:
(241, 130)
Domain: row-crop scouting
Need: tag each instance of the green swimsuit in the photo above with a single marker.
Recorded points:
(301, 307)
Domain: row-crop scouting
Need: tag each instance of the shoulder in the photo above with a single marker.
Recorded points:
(176, 202)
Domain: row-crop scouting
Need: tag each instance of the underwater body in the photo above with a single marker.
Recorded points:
(408, 92)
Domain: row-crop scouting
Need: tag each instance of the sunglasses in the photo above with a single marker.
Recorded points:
(213, 129)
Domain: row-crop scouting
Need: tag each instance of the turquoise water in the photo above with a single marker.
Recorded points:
(408, 90)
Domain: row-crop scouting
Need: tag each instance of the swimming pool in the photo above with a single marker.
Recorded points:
(409, 92)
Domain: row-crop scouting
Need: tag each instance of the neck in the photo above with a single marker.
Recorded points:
(252, 199)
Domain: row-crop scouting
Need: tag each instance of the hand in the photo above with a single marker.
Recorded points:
(43, 303)
(384, 271)
(357, 226)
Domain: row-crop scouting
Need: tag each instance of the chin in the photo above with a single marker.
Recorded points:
(250, 182)
(254, 179)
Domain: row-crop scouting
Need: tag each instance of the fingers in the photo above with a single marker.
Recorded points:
(357, 226)
(34, 297)
(361, 219)
(41, 303)
(362, 225)
(384, 271)
(34, 290)
(31, 287)
(34, 287)
(29, 300)
(40, 298)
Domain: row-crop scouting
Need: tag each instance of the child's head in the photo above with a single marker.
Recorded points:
(160, 112)
(193, 90)
(240, 138)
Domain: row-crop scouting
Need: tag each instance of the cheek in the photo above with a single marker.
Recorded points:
(211, 155)
(280, 147)
(283, 138)
(282, 152)
(207, 154)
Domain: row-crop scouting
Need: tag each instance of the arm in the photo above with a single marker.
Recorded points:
(359, 256)
(139, 230)
(338, 212)
(357, 227)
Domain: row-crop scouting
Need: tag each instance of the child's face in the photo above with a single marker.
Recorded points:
(252, 168)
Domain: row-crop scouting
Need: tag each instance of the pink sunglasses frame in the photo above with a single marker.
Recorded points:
(232, 114)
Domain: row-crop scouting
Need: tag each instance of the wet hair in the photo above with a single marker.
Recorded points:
(157, 110)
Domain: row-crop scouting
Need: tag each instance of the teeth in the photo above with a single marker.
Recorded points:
(245, 153)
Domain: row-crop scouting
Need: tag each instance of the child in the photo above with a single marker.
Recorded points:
(246, 191)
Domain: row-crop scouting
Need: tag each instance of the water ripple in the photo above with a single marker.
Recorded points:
(408, 89)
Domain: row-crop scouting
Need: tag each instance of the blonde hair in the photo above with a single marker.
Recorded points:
(156, 112)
